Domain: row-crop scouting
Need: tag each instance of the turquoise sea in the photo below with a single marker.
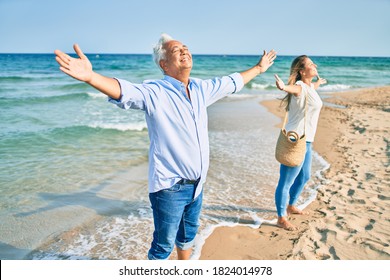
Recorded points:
(73, 167)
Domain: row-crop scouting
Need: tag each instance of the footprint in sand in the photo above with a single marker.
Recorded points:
(370, 226)
(382, 197)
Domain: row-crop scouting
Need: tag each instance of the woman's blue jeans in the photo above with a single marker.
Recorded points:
(291, 182)
(176, 219)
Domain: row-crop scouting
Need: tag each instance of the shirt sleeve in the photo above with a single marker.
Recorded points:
(238, 81)
(132, 96)
(301, 99)
(218, 88)
(303, 91)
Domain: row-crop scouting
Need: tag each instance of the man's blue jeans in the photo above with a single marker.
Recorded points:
(291, 182)
(176, 219)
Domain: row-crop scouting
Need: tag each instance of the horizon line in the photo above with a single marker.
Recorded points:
(198, 54)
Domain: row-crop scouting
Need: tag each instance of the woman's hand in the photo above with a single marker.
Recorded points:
(279, 83)
(320, 81)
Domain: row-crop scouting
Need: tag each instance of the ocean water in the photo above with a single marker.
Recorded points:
(73, 167)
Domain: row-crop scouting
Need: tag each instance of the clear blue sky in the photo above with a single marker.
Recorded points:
(292, 27)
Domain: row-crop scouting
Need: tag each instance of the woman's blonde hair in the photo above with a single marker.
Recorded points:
(296, 66)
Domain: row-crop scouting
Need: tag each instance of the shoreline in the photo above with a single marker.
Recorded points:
(348, 220)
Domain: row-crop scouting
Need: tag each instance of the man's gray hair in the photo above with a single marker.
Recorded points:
(159, 51)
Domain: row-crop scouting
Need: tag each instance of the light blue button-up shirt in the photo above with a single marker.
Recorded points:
(177, 126)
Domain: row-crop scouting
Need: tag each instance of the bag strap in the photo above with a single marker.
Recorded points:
(304, 122)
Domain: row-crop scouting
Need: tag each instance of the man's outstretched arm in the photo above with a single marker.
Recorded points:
(265, 62)
(81, 69)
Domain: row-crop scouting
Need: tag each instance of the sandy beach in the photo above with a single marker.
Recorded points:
(349, 219)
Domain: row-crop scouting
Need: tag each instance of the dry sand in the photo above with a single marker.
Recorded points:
(349, 220)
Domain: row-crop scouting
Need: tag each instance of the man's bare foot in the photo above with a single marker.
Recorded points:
(294, 210)
(283, 223)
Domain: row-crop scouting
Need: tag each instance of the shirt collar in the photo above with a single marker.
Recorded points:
(176, 83)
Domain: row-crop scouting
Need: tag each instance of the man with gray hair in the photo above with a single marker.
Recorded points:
(176, 114)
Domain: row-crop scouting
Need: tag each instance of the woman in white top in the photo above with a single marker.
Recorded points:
(293, 179)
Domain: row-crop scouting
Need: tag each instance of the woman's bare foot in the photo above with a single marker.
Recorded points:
(283, 223)
(294, 210)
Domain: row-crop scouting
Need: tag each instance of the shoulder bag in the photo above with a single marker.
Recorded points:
(290, 148)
